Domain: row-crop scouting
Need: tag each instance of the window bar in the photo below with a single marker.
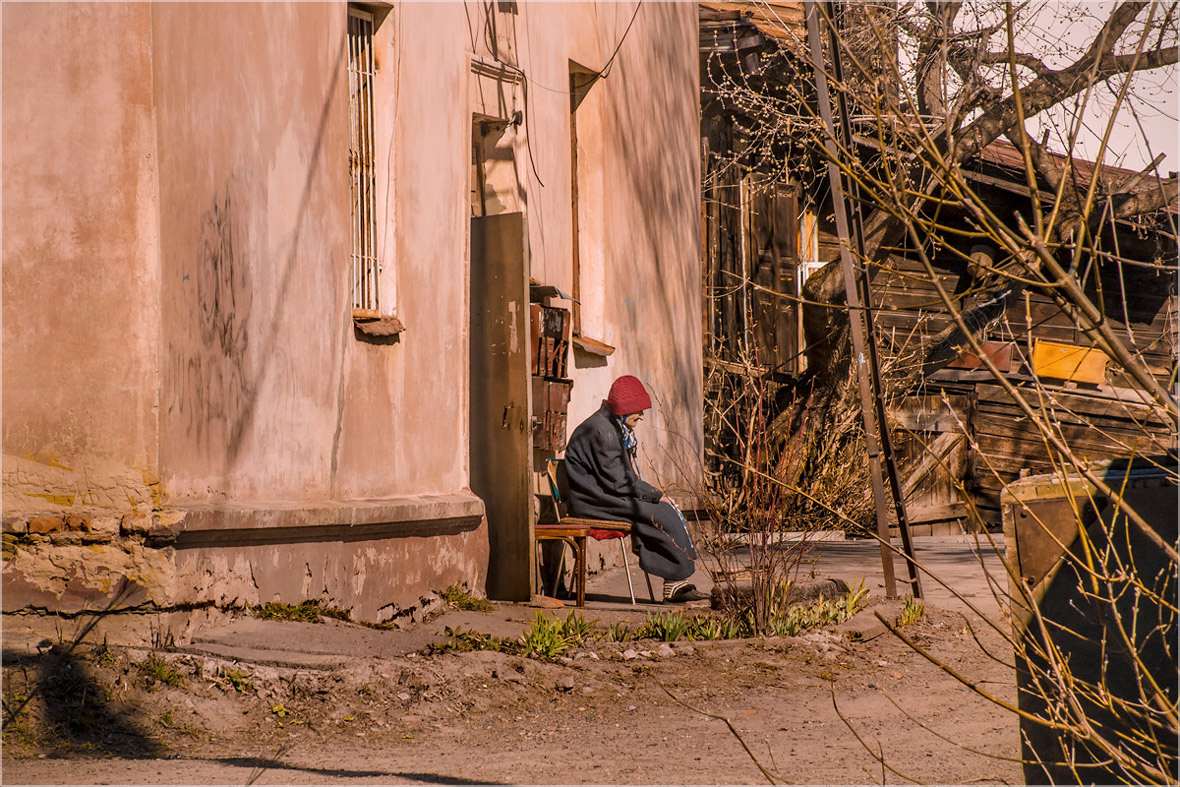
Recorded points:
(362, 162)
(354, 156)
(370, 149)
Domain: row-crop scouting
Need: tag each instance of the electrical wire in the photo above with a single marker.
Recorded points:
(610, 61)
(602, 72)
(526, 79)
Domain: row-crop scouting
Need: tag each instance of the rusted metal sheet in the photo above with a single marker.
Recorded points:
(551, 401)
(1000, 354)
(593, 346)
(549, 340)
(1007, 155)
(550, 337)
(501, 451)
(386, 325)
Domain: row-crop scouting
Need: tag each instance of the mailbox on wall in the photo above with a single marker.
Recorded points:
(549, 348)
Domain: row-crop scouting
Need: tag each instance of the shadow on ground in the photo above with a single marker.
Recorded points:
(262, 764)
(78, 714)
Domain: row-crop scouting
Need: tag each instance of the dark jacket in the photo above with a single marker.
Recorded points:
(604, 485)
(603, 481)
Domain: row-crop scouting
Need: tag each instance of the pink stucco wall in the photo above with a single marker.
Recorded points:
(254, 227)
(649, 202)
(80, 274)
(180, 363)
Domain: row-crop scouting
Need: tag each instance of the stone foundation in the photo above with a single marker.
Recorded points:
(381, 561)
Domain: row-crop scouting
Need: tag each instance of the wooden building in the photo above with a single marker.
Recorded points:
(960, 437)
(757, 225)
(964, 414)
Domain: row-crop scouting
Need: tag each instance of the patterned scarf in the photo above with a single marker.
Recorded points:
(630, 441)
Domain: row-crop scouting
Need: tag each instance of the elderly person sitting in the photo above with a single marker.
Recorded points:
(605, 484)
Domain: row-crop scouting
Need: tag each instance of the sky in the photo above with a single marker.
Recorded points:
(1148, 123)
(1058, 32)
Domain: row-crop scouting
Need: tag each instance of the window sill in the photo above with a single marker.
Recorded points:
(371, 324)
(593, 346)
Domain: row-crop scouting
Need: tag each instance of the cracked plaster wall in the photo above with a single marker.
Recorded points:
(377, 580)
(175, 278)
(80, 283)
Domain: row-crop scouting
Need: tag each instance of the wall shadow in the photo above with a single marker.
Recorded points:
(660, 167)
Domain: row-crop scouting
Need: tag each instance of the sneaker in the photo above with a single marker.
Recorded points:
(681, 592)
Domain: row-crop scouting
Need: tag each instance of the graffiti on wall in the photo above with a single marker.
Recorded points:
(209, 357)
(223, 285)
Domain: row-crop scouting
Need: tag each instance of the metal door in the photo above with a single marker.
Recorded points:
(500, 428)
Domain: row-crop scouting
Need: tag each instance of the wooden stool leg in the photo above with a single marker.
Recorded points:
(581, 569)
(560, 570)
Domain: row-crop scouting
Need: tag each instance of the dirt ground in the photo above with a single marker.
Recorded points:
(607, 713)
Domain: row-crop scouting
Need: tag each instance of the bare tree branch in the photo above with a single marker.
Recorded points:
(1053, 87)
(1148, 201)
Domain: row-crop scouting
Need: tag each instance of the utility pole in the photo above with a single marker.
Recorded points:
(864, 353)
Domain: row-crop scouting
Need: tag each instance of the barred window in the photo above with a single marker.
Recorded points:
(362, 164)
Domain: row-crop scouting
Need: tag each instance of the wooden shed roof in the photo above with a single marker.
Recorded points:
(776, 20)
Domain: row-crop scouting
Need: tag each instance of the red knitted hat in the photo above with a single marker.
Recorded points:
(627, 395)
